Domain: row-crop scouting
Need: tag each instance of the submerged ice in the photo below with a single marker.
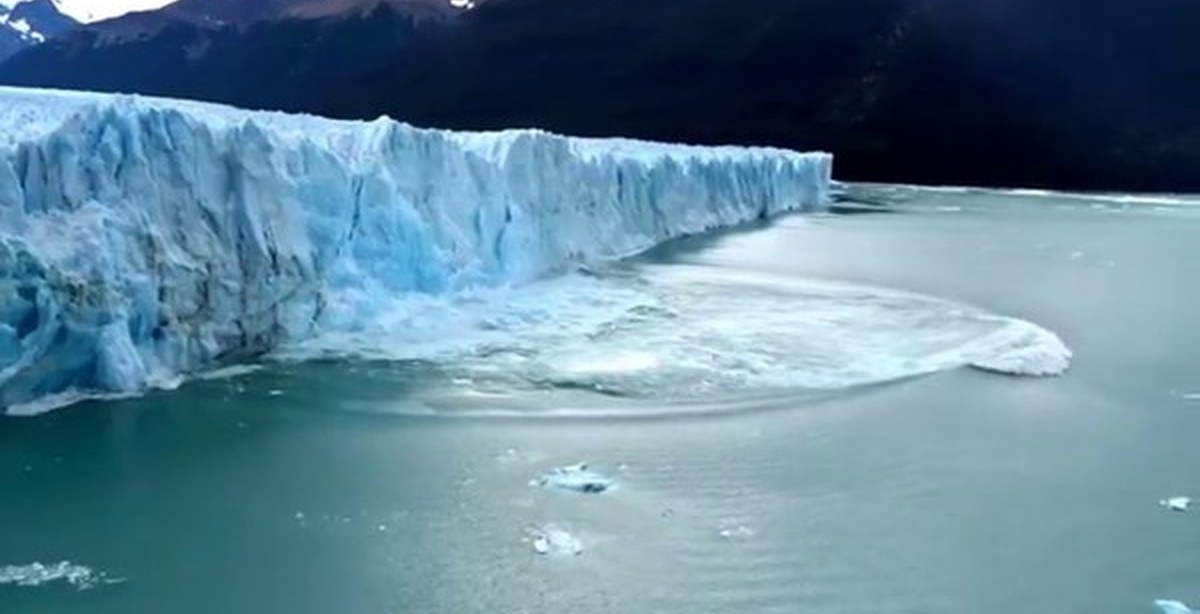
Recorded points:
(142, 239)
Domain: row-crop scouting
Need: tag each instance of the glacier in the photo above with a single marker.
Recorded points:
(142, 239)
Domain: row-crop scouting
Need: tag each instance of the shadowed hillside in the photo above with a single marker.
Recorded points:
(1102, 94)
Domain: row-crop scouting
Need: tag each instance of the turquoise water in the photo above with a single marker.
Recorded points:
(802, 451)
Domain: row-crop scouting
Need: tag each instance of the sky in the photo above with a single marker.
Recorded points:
(95, 10)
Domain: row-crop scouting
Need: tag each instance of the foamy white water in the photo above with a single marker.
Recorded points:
(39, 574)
(681, 333)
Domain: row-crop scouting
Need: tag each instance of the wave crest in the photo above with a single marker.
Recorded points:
(683, 335)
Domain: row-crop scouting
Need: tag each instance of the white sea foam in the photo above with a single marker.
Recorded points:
(59, 400)
(683, 338)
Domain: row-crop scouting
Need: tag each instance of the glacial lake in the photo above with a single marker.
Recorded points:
(788, 414)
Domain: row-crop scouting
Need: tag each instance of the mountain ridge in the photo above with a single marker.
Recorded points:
(30, 22)
(1068, 94)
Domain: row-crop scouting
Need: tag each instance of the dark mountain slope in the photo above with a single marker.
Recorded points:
(1060, 93)
(43, 16)
(260, 57)
(30, 23)
(1098, 94)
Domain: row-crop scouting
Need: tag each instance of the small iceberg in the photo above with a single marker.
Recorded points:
(37, 574)
(575, 478)
(1167, 606)
(731, 531)
(552, 540)
(1177, 504)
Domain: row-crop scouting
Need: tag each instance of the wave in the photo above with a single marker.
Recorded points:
(1106, 198)
(74, 396)
(666, 340)
(655, 341)
(230, 372)
(1116, 199)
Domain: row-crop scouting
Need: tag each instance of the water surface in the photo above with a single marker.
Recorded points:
(786, 409)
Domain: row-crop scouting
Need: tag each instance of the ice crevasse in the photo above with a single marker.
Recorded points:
(142, 239)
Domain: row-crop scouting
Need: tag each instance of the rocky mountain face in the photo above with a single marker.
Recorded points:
(276, 54)
(29, 23)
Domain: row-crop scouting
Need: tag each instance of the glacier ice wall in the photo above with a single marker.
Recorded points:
(142, 239)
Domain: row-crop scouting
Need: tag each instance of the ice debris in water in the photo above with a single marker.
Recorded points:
(1169, 606)
(575, 478)
(233, 372)
(37, 574)
(1177, 504)
(738, 532)
(550, 539)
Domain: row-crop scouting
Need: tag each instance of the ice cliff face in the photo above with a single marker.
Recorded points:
(143, 239)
